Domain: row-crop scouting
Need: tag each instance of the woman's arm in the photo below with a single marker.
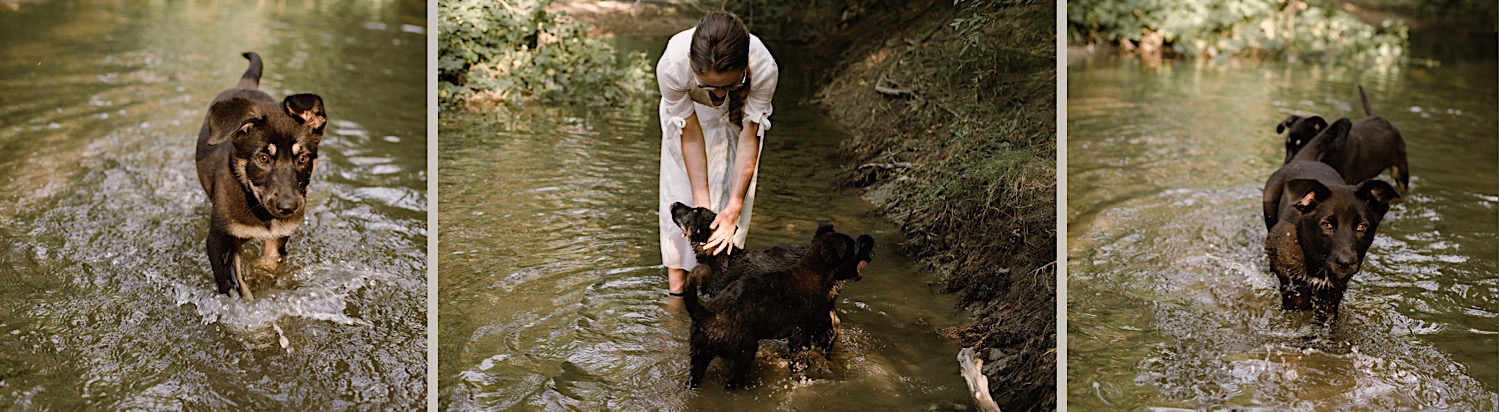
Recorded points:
(695, 156)
(747, 155)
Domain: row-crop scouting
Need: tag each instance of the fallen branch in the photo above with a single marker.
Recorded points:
(886, 166)
(978, 385)
(880, 86)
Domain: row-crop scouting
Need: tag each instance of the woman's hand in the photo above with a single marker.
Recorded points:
(723, 230)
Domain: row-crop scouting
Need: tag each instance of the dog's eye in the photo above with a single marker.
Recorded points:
(1362, 227)
(303, 158)
(1326, 225)
(262, 158)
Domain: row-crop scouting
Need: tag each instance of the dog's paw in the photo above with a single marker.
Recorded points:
(269, 263)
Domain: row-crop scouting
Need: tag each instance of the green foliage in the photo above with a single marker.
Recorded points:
(511, 52)
(1282, 29)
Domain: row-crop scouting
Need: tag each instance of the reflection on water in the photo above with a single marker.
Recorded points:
(1171, 303)
(552, 293)
(102, 219)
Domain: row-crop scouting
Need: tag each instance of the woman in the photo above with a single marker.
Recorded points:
(716, 83)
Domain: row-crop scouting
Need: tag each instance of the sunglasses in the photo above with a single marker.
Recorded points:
(731, 87)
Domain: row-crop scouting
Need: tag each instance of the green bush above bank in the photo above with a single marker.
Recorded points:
(1290, 30)
(512, 52)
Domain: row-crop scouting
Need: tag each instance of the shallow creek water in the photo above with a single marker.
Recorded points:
(1170, 299)
(552, 289)
(111, 303)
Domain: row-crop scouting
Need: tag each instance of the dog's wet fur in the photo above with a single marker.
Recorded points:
(255, 158)
(1320, 228)
(1370, 147)
(791, 302)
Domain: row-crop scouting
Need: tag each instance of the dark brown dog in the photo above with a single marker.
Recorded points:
(1322, 229)
(792, 303)
(1370, 147)
(718, 271)
(1299, 131)
(1373, 145)
(255, 158)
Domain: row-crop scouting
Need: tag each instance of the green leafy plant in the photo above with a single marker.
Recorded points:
(1292, 30)
(511, 52)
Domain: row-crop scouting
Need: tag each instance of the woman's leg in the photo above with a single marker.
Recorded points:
(676, 279)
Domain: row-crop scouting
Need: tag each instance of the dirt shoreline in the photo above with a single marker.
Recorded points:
(963, 157)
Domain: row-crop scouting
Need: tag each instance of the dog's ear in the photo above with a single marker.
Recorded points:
(1286, 124)
(307, 110)
(866, 248)
(1317, 122)
(1377, 194)
(823, 227)
(845, 249)
(1309, 193)
(1330, 141)
(1340, 128)
(230, 117)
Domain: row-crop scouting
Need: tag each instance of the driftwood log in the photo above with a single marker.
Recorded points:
(978, 385)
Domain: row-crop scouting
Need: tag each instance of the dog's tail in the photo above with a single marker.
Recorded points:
(695, 308)
(1368, 110)
(251, 78)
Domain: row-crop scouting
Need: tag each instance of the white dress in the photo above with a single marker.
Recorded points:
(680, 98)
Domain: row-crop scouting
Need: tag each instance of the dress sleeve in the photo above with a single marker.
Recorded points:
(765, 75)
(676, 105)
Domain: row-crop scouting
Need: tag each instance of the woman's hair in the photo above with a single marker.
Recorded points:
(720, 44)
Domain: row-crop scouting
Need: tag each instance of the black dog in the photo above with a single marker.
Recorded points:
(1301, 131)
(1322, 230)
(255, 158)
(718, 271)
(792, 302)
(1371, 146)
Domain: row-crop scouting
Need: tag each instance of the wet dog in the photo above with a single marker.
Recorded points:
(1370, 147)
(718, 271)
(1322, 230)
(1299, 131)
(255, 158)
(1373, 145)
(792, 303)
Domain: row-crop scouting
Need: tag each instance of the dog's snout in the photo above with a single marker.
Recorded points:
(1345, 262)
(286, 206)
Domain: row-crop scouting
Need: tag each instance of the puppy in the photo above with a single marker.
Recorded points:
(255, 158)
(1323, 230)
(719, 270)
(1301, 131)
(1371, 146)
(792, 302)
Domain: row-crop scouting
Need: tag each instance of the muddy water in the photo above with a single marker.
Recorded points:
(1170, 300)
(110, 301)
(552, 291)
